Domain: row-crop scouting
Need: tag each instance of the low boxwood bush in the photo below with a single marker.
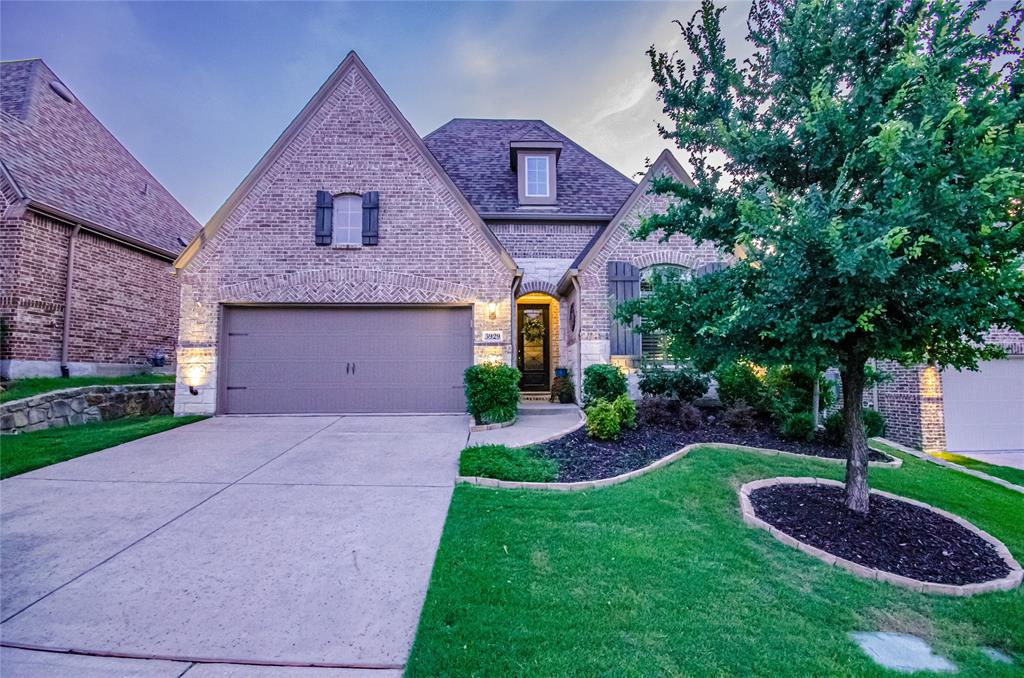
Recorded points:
(507, 463)
(603, 421)
(798, 426)
(681, 382)
(874, 423)
(625, 409)
(602, 382)
(492, 392)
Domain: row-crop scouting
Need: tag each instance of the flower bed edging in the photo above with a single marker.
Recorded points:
(1007, 583)
(664, 461)
(476, 428)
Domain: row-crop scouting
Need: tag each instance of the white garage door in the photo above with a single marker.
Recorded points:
(984, 410)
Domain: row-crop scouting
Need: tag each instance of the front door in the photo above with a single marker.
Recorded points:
(533, 347)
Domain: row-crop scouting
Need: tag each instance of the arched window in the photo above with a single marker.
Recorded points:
(654, 345)
(348, 220)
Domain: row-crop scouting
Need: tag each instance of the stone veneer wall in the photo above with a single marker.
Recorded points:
(84, 404)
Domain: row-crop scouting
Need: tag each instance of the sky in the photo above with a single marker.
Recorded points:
(199, 91)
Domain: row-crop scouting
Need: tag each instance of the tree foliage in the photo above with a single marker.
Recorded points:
(866, 165)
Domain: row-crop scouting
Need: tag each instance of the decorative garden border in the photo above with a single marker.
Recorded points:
(1007, 583)
(664, 461)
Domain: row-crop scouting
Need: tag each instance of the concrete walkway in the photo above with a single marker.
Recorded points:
(289, 540)
(536, 423)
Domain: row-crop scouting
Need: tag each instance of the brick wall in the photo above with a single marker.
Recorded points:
(123, 308)
(595, 308)
(544, 240)
(430, 251)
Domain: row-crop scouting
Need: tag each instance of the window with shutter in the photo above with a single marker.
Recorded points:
(348, 221)
(654, 345)
(371, 209)
(324, 218)
(623, 284)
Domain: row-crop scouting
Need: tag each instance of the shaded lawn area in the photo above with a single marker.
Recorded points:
(1007, 473)
(659, 576)
(28, 451)
(25, 388)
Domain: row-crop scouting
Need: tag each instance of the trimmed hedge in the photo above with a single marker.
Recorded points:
(602, 382)
(492, 392)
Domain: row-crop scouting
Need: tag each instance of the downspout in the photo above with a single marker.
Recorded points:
(579, 344)
(68, 294)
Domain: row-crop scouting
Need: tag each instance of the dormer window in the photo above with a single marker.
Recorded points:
(536, 166)
(537, 185)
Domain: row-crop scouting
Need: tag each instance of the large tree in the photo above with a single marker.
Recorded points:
(866, 165)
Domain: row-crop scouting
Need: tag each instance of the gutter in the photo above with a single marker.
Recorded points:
(65, 339)
(107, 233)
(568, 279)
(542, 216)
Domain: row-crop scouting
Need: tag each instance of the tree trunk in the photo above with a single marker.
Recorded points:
(816, 399)
(856, 442)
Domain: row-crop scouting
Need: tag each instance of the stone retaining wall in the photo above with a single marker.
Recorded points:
(84, 404)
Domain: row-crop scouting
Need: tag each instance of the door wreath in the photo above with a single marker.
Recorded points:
(533, 328)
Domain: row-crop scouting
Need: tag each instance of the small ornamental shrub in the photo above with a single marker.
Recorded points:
(835, 427)
(740, 417)
(602, 382)
(737, 383)
(681, 382)
(874, 423)
(625, 409)
(797, 426)
(658, 412)
(507, 463)
(690, 417)
(492, 392)
(603, 421)
(790, 390)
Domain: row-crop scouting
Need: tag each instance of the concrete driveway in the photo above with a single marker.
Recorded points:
(251, 540)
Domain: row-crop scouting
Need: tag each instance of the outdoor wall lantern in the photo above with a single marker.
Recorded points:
(195, 376)
(492, 310)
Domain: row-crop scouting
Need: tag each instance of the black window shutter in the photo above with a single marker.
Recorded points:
(324, 218)
(371, 208)
(623, 284)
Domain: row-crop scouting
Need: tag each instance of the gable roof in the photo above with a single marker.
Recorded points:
(665, 163)
(475, 153)
(351, 61)
(64, 162)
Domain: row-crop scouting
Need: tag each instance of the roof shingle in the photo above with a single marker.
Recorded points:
(64, 158)
(475, 154)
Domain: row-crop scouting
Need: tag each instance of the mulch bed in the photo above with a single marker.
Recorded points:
(582, 458)
(894, 536)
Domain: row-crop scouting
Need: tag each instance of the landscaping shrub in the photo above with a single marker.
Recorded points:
(603, 421)
(737, 383)
(835, 427)
(492, 392)
(625, 410)
(658, 412)
(741, 417)
(690, 417)
(507, 463)
(797, 426)
(790, 390)
(680, 381)
(874, 423)
(602, 382)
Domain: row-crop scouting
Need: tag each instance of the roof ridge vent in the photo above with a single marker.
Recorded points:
(62, 91)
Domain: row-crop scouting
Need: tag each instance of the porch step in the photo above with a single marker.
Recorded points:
(538, 397)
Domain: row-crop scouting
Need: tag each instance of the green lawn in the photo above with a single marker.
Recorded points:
(659, 576)
(28, 451)
(1007, 473)
(23, 388)
(507, 463)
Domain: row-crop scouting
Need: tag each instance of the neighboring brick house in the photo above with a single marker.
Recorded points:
(362, 268)
(83, 221)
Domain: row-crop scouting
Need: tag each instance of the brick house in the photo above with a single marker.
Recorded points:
(361, 268)
(88, 237)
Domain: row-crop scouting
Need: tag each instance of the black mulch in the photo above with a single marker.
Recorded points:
(895, 536)
(582, 458)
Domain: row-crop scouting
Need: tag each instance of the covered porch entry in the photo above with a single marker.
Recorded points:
(537, 342)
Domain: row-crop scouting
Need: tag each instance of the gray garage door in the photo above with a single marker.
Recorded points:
(984, 410)
(298, 359)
